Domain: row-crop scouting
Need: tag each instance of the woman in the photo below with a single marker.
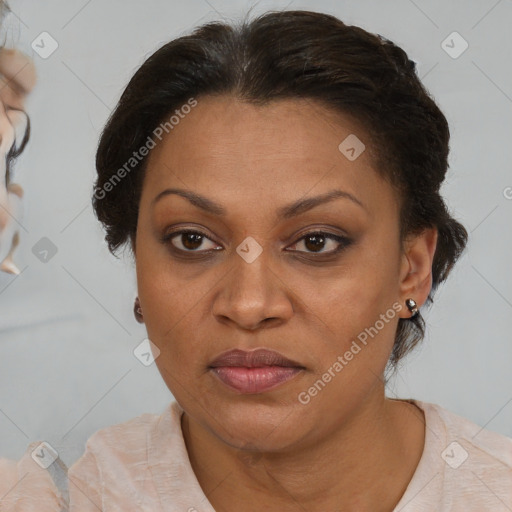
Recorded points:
(17, 79)
(24, 485)
(278, 185)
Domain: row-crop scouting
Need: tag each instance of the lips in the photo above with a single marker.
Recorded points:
(253, 359)
(255, 371)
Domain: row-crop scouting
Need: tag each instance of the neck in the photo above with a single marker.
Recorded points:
(366, 464)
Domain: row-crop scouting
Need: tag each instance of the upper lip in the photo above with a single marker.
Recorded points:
(253, 359)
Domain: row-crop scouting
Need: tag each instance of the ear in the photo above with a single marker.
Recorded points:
(416, 268)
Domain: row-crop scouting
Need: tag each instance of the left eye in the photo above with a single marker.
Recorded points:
(317, 242)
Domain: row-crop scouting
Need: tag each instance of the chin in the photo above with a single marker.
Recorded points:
(258, 422)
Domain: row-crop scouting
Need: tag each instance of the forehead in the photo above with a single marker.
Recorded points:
(283, 149)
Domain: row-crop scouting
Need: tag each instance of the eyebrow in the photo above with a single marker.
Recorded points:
(286, 212)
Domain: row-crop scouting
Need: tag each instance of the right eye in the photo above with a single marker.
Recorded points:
(188, 240)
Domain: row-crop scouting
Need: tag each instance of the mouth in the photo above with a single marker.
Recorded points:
(254, 372)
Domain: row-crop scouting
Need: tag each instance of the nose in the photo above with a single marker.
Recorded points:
(252, 295)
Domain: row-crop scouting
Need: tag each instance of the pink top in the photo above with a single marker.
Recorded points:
(142, 465)
(26, 486)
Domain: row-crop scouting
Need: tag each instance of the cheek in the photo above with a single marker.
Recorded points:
(164, 295)
(174, 310)
(352, 314)
(361, 325)
(365, 287)
(353, 303)
(171, 306)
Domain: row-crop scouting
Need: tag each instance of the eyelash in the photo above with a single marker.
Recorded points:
(343, 242)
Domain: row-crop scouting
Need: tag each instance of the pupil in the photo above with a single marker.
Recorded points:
(318, 242)
(189, 239)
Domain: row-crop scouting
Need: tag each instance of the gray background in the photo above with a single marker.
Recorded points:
(66, 326)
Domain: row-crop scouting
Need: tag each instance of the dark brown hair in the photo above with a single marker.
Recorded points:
(287, 55)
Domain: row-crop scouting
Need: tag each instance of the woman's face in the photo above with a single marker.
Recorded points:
(329, 305)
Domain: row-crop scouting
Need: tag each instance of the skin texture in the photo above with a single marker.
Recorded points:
(349, 448)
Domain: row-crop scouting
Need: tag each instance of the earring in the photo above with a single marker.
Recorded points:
(137, 311)
(412, 307)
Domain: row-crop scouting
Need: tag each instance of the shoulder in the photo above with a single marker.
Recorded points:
(132, 431)
(125, 444)
(474, 464)
(8, 475)
(114, 468)
(126, 440)
(30, 484)
(486, 446)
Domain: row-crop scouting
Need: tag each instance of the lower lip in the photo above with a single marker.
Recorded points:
(254, 380)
